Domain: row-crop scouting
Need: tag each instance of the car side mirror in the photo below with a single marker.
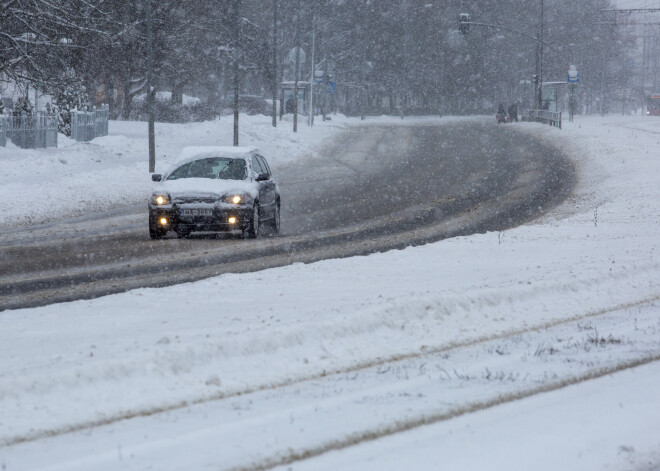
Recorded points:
(262, 177)
(156, 177)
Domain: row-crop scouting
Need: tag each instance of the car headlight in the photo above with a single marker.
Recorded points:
(160, 199)
(239, 198)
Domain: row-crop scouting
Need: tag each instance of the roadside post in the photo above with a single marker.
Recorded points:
(367, 67)
(296, 52)
(313, 77)
(330, 92)
(573, 79)
(150, 92)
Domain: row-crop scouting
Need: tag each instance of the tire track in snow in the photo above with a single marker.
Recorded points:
(412, 423)
(400, 426)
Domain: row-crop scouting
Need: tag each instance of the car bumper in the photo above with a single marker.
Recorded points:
(218, 221)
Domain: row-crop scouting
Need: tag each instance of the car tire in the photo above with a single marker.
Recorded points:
(275, 222)
(253, 229)
(156, 232)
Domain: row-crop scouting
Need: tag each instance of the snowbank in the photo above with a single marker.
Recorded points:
(37, 186)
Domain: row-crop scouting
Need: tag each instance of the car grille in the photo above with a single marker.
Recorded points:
(194, 199)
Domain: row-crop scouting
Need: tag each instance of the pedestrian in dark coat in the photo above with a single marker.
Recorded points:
(513, 112)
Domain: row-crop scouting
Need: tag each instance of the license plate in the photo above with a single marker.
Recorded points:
(196, 212)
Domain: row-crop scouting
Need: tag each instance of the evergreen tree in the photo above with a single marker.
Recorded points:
(23, 106)
(70, 93)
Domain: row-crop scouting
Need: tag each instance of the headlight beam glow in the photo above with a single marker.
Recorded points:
(160, 199)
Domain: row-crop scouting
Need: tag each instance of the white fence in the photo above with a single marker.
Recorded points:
(29, 131)
(543, 116)
(86, 125)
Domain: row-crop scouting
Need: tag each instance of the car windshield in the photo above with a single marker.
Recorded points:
(224, 168)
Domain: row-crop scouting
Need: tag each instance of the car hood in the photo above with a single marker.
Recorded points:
(206, 187)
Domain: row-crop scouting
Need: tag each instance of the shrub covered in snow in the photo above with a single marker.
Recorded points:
(23, 106)
(70, 93)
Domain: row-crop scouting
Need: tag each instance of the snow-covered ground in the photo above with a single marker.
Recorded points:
(111, 171)
(589, 268)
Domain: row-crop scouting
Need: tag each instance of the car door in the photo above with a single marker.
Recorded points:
(264, 190)
(268, 188)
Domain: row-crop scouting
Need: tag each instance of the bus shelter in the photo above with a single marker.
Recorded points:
(553, 96)
(287, 95)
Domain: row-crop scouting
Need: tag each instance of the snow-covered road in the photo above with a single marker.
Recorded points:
(416, 184)
(277, 366)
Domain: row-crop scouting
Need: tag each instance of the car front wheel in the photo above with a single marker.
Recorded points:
(253, 229)
(275, 222)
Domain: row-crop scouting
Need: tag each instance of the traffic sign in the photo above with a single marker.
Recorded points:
(297, 51)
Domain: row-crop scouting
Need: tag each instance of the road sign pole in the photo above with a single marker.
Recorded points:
(295, 83)
(150, 95)
(311, 83)
(573, 78)
(274, 84)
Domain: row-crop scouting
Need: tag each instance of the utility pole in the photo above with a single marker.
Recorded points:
(236, 40)
(655, 61)
(150, 94)
(295, 83)
(363, 95)
(405, 54)
(644, 56)
(602, 91)
(274, 63)
(537, 93)
(601, 108)
(540, 65)
(311, 83)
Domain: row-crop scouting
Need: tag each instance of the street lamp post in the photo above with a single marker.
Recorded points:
(311, 83)
(236, 39)
(540, 64)
(537, 89)
(297, 72)
(150, 95)
(573, 78)
(404, 59)
(274, 84)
